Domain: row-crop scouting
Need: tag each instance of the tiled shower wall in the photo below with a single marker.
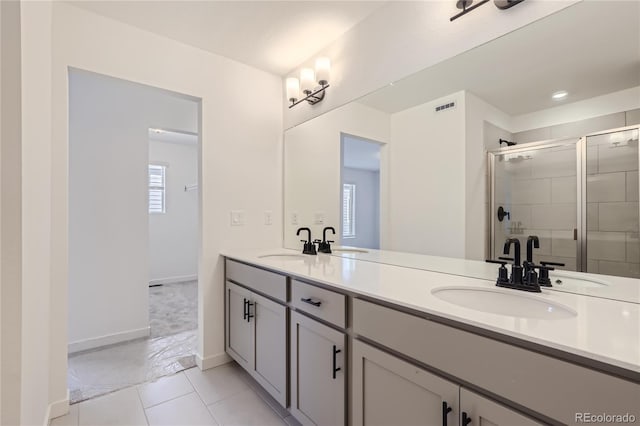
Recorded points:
(538, 188)
(543, 189)
(613, 246)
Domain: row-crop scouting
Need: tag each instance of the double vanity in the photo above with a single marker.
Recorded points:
(374, 337)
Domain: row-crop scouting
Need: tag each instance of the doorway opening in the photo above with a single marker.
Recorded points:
(133, 233)
(360, 192)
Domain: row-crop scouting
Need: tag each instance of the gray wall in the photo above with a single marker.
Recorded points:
(367, 207)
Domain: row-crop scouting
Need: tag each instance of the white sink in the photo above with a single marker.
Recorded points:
(570, 283)
(284, 256)
(513, 303)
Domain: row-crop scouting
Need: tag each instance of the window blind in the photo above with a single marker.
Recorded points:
(348, 210)
(157, 176)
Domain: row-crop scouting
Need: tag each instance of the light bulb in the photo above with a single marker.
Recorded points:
(293, 89)
(560, 95)
(323, 69)
(307, 80)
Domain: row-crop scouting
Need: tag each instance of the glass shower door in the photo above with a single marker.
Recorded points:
(612, 217)
(535, 193)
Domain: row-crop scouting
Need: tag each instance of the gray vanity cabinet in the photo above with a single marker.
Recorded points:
(483, 411)
(256, 325)
(239, 330)
(391, 391)
(318, 368)
(257, 338)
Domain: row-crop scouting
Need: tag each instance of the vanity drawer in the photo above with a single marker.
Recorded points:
(265, 282)
(321, 303)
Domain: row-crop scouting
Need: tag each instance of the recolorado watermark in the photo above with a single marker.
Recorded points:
(605, 418)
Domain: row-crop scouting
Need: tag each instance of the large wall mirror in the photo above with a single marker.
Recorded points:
(406, 167)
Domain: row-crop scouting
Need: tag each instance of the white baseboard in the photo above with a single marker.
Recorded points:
(212, 361)
(57, 409)
(109, 339)
(171, 280)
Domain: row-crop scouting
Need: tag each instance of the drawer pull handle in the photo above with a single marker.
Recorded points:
(311, 301)
(445, 411)
(249, 315)
(465, 419)
(336, 351)
(244, 310)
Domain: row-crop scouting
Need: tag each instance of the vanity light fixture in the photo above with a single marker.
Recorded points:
(559, 95)
(462, 4)
(466, 7)
(311, 83)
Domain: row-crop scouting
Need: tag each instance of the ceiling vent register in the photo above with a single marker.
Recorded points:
(446, 106)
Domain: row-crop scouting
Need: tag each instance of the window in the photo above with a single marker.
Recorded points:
(348, 210)
(157, 176)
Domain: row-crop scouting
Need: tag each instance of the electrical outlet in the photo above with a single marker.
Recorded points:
(237, 217)
(294, 218)
(318, 218)
(268, 217)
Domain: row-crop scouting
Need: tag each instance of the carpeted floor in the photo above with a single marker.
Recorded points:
(173, 308)
(170, 348)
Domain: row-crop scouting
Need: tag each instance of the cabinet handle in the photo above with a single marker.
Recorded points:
(336, 351)
(445, 411)
(244, 310)
(465, 419)
(311, 301)
(249, 315)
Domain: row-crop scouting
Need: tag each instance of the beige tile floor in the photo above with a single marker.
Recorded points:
(224, 395)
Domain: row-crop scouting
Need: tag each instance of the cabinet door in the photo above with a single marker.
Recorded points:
(485, 412)
(318, 368)
(239, 328)
(390, 391)
(270, 325)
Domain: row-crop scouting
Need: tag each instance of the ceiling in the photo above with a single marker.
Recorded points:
(589, 49)
(173, 136)
(275, 36)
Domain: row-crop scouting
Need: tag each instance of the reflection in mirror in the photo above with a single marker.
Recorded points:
(437, 126)
(360, 210)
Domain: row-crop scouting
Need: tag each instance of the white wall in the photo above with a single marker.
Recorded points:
(108, 191)
(240, 155)
(427, 179)
(477, 114)
(173, 236)
(401, 38)
(367, 207)
(10, 214)
(36, 209)
(312, 167)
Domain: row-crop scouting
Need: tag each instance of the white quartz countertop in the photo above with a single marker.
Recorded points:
(611, 287)
(603, 330)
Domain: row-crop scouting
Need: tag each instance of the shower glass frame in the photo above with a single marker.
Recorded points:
(580, 144)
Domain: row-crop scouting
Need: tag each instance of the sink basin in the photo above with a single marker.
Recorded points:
(570, 283)
(348, 250)
(283, 256)
(513, 303)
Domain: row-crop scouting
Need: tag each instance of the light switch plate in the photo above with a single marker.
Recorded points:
(237, 218)
(318, 218)
(268, 217)
(294, 218)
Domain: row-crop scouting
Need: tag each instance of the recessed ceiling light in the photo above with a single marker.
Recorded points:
(560, 95)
